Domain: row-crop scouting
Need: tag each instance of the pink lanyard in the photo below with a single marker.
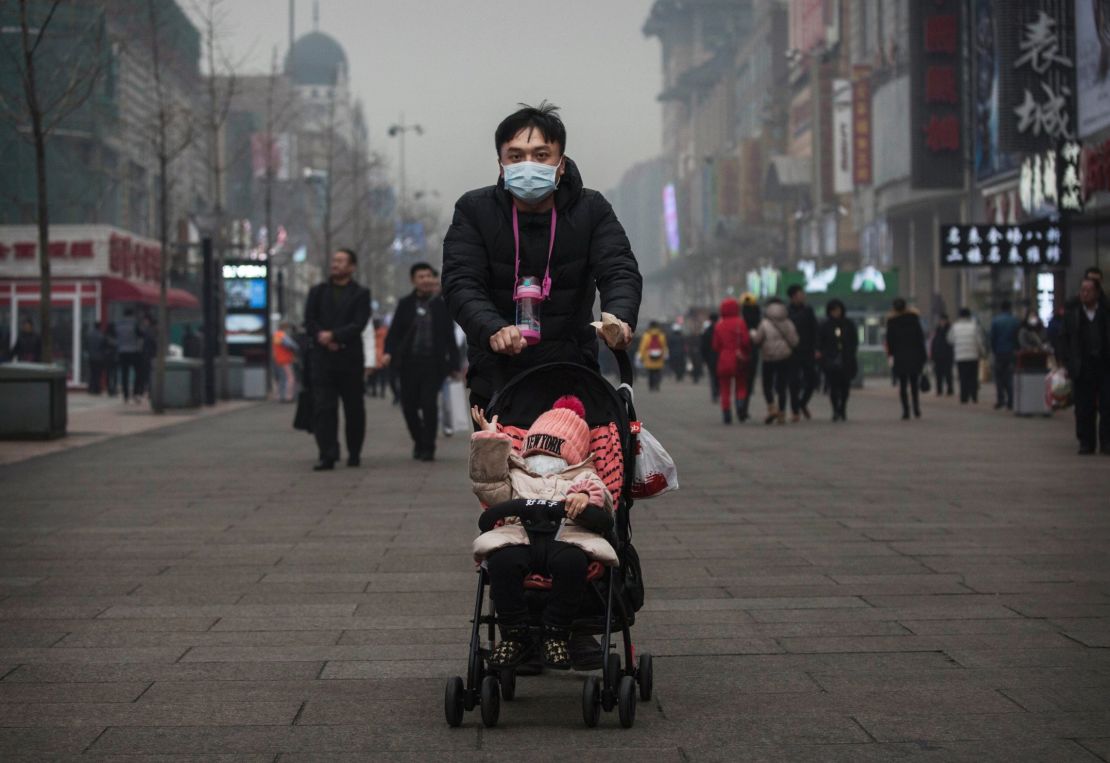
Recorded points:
(550, 251)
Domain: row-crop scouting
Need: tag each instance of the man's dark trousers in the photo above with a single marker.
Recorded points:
(803, 382)
(1004, 379)
(1091, 392)
(421, 382)
(334, 378)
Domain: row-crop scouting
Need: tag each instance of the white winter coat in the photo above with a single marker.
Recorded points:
(967, 340)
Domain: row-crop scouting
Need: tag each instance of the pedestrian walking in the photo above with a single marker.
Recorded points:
(285, 356)
(28, 344)
(129, 350)
(653, 354)
(1085, 342)
(335, 314)
(732, 342)
(749, 311)
(692, 343)
(803, 382)
(111, 357)
(93, 344)
(942, 354)
(1032, 336)
(538, 221)
(709, 356)
(1003, 338)
(905, 344)
(377, 379)
(968, 348)
(420, 347)
(676, 352)
(148, 341)
(776, 337)
(837, 346)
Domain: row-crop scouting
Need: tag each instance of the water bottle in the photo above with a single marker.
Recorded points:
(528, 296)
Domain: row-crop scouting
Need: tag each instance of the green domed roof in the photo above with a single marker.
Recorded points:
(316, 59)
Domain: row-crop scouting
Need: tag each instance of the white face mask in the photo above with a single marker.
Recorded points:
(543, 464)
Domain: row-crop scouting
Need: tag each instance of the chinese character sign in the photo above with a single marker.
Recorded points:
(861, 125)
(1031, 245)
(1037, 67)
(936, 82)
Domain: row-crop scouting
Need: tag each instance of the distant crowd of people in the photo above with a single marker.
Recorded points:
(796, 354)
(118, 354)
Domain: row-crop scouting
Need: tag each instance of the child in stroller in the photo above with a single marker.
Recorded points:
(554, 465)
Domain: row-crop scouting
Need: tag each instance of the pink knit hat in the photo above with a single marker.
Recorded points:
(561, 432)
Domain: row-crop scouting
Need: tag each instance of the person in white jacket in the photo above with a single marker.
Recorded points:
(966, 339)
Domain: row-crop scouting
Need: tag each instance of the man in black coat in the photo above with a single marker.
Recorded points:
(334, 316)
(905, 344)
(1085, 347)
(803, 379)
(420, 347)
(538, 221)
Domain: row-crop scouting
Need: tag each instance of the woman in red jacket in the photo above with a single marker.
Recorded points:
(733, 344)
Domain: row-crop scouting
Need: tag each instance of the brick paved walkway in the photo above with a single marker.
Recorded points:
(872, 591)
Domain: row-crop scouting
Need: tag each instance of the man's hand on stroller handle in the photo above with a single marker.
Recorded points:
(479, 417)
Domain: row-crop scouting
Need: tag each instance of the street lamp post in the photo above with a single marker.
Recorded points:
(398, 131)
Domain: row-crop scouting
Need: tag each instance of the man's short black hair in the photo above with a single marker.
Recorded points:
(544, 118)
(899, 304)
(350, 253)
(1005, 306)
(1093, 271)
(417, 267)
(793, 289)
(965, 312)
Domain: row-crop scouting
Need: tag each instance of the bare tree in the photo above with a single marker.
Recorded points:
(219, 96)
(46, 104)
(172, 134)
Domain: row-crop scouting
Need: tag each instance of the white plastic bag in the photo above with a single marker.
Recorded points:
(1057, 389)
(655, 470)
(458, 411)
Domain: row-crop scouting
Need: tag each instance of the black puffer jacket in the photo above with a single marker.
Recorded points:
(591, 254)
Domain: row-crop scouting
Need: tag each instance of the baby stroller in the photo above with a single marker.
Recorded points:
(616, 593)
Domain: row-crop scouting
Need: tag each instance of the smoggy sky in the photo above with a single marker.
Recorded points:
(457, 67)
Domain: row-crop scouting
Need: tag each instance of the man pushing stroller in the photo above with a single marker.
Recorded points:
(554, 464)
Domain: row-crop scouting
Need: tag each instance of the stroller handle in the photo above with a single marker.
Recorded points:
(624, 364)
(527, 511)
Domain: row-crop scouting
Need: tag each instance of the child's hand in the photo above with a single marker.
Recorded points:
(479, 417)
(576, 503)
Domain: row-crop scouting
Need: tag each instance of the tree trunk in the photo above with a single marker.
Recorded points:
(44, 243)
(30, 92)
(157, 397)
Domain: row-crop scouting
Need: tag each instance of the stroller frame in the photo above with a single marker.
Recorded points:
(622, 682)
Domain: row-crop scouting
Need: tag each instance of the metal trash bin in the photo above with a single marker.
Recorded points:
(1030, 370)
(184, 383)
(33, 403)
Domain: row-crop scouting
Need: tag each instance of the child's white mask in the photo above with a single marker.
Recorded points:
(543, 464)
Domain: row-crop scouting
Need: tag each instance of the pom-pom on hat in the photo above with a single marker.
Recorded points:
(560, 432)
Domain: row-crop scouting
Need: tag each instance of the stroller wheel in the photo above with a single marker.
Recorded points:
(491, 701)
(626, 701)
(591, 701)
(644, 676)
(508, 684)
(613, 668)
(453, 701)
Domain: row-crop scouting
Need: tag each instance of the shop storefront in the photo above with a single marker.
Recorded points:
(97, 271)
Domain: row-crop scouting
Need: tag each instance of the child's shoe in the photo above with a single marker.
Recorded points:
(556, 648)
(512, 648)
